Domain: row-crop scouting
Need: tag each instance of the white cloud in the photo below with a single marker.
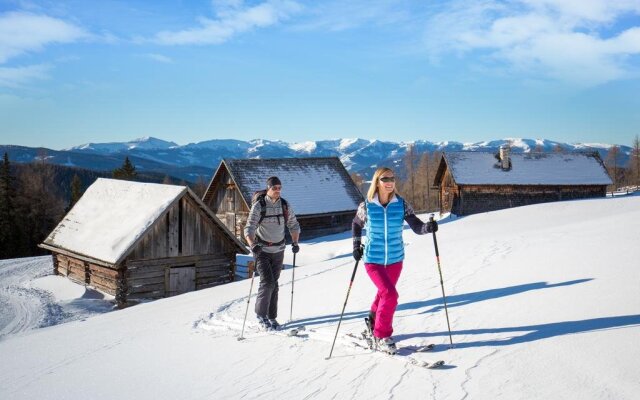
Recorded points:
(14, 77)
(22, 32)
(158, 57)
(343, 15)
(559, 39)
(232, 19)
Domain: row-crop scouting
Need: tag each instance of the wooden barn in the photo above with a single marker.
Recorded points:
(319, 190)
(142, 240)
(473, 182)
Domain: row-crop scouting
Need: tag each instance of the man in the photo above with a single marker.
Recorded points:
(265, 235)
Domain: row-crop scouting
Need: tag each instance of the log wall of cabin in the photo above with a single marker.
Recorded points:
(311, 226)
(184, 236)
(321, 225)
(449, 193)
(149, 278)
(482, 198)
(102, 278)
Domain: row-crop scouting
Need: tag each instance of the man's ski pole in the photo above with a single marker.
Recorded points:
(353, 276)
(293, 279)
(444, 298)
(248, 299)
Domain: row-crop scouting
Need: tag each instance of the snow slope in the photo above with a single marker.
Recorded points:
(543, 302)
(31, 298)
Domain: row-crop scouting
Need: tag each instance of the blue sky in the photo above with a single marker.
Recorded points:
(73, 72)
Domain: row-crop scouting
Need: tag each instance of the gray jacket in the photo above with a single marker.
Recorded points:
(271, 229)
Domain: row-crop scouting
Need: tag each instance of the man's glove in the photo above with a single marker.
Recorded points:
(295, 248)
(432, 226)
(256, 249)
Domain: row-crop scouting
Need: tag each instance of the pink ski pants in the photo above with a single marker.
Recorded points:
(386, 301)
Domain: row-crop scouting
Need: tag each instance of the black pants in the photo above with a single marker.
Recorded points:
(269, 266)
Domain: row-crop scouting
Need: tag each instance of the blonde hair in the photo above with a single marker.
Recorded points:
(373, 189)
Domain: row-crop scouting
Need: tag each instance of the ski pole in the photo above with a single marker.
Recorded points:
(444, 298)
(248, 299)
(353, 276)
(293, 279)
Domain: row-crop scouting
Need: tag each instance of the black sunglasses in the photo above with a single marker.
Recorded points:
(388, 179)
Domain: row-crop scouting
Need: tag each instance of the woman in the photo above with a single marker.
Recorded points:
(383, 214)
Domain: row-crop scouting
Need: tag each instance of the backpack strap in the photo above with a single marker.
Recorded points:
(263, 209)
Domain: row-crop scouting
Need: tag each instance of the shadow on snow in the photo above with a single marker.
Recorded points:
(529, 332)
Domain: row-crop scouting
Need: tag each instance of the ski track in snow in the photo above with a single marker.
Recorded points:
(223, 313)
(468, 371)
(24, 309)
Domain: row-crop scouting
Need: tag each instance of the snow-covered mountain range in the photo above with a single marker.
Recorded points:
(200, 159)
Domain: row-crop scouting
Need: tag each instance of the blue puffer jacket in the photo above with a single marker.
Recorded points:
(384, 232)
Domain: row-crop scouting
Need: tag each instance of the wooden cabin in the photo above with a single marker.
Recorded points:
(474, 182)
(318, 190)
(143, 240)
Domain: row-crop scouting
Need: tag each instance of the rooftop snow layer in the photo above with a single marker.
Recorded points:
(110, 216)
(310, 185)
(481, 168)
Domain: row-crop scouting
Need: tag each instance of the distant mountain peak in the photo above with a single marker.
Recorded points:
(357, 154)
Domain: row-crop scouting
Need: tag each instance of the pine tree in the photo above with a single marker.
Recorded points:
(76, 190)
(126, 172)
(40, 207)
(8, 233)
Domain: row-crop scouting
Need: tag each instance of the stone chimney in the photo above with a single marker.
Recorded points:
(505, 159)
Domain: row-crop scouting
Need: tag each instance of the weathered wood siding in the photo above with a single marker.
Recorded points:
(184, 237)
(311, 226)
(449, 192)
(150, 278)
(321, 225)
(102, 278)
(226, 201)
(483, 198)
(182, 231)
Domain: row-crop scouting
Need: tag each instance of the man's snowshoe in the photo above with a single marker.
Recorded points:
(264, 324)
(274, 325)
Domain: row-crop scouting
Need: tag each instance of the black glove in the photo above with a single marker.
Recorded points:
(256, 249)
(357, 248)
(295, 248)
(432, 226)
(357, 253)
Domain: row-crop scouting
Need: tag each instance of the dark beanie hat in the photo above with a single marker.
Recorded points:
(272, 181)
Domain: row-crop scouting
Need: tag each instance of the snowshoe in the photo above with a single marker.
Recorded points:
(274, 325)
(387, 345)
(264, 324)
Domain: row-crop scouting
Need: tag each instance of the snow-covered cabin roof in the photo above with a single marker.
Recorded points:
(482, 168)
(113, 214)
(310, 185)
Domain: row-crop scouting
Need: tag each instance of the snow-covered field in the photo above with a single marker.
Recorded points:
(544, 303)
(30, 297)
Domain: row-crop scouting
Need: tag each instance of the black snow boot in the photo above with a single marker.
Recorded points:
(274, 324)
(264, 324)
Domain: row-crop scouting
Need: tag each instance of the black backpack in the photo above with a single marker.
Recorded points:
(259, 197)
